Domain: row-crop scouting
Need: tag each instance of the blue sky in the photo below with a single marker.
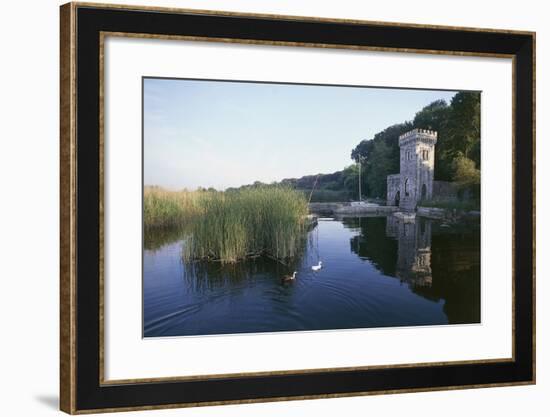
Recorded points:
(224, 134)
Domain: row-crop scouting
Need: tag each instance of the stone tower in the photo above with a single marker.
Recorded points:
(416, 170)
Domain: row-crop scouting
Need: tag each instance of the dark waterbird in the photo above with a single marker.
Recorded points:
(288, 278)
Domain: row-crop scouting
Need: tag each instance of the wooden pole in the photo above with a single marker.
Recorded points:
(314, 184)
(359, 180)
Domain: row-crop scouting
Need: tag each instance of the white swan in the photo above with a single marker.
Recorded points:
(317, 267)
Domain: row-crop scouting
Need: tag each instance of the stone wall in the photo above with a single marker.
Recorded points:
(393, 184)
(408, 169)
(325, 208)
(365, 209)
(445, 190)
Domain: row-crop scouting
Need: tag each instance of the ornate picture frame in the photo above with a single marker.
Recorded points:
(84, 28)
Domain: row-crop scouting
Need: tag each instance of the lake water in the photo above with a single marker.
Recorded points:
(377, 272)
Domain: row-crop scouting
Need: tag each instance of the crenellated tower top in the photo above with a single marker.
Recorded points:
(423, 135)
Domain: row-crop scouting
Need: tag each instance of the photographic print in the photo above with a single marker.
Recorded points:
(323, 191)
(272, 207)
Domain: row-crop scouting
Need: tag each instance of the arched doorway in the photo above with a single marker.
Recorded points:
(397, 199)
(424, 192)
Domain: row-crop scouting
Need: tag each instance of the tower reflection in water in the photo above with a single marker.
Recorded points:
(438, 261)
(414, 248)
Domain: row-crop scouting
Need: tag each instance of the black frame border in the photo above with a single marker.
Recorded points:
(90, 395)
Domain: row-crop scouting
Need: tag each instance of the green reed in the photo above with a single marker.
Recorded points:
(163, 208)
(231, 226)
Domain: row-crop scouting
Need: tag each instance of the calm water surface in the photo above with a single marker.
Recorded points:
(377, 272)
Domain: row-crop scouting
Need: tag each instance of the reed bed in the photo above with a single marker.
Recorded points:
(231, 226)
(163, 208)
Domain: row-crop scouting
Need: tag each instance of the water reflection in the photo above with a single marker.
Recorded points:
(210, 276)
(414, 237)
(454, 261)
(155, 238)
(377, 272)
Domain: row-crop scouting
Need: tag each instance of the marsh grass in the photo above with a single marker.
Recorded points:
(163, 208)
(231, 226)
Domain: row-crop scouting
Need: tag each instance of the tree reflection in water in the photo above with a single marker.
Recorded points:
(436, 260)
(377, 272)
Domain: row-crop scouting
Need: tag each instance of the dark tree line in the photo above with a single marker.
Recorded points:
(457, 153)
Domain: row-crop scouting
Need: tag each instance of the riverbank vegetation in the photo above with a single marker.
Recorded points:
(232, 225)
(457, 154)
(164, 208)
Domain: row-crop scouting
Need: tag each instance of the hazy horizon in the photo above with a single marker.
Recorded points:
(224, 134)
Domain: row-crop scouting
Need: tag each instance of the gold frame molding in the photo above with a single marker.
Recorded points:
(68, 194)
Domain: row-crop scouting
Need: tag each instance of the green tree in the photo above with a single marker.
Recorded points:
(465, 126)
(350, 177)
(435, 116)
(468, 177)
(380, 158)
(380, 166)
(465, 171)
(458, 127)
